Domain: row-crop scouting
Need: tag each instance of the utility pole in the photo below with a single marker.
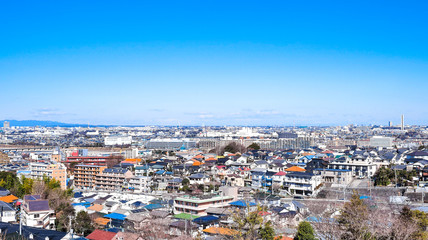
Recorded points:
(20, 220)
(70, 227)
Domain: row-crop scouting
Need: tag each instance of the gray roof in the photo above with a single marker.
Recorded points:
(38, 205)
(5, 207)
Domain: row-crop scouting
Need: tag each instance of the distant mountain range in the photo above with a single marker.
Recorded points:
(34, 123)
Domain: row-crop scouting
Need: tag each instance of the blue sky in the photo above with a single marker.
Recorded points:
(214, 62)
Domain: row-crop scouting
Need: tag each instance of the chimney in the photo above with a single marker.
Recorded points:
(402, 122)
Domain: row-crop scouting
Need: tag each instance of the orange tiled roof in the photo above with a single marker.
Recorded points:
(102, 221)
(295, 169)
(8, 199)
(220, 230)
(96, 207)
(196, 163)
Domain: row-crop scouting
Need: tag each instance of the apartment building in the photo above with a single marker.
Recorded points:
(198, 205)
(140, 184)
(335, 176)
(37, 213)
(51, 171)
(85, 175)
(360, 167)
(301, 183)
(112, 179)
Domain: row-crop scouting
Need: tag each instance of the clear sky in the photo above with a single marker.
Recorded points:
(214, 62)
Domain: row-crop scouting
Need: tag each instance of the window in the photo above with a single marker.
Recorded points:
(36, 215)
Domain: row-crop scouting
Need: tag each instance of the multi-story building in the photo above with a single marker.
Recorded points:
(301, 183)
(98, 160)
(37, 213)
(51, 171)
(140, 184)
(360, 167)
(198, 205)
(84, 175)
(336, 176)
(112, 179)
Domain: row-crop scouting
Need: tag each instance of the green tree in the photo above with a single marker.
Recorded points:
(83, 224)
(383, 176)
(254, 146)
(267, 232)
(185, 182)
(305, 231)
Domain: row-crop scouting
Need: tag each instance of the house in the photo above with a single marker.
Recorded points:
(234, 180)
(37, 213)
(101, 235)
(199, 178)
(7, 212)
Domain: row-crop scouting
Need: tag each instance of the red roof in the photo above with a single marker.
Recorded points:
(101, 235)
(280, 173)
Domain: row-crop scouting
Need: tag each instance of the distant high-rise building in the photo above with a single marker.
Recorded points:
(6, 124)
(389, 124)
(402, 122)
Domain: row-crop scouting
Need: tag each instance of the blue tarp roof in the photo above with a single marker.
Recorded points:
(153, 206)
(85, 204)
(242, 203)
(117, 216)
(205, 219)
(160, 172)
(365, 197)
(169, 173)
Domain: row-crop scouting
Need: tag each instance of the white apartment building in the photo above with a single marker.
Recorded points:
(360, 167)
(198, 205)
(301, 183)
(140, 184)
(56, 171)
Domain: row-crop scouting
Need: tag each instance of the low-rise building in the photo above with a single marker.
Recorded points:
(7, 212)
(359, 166)
(139, 184)
(336, 176)
(301, 183)
(198, 205)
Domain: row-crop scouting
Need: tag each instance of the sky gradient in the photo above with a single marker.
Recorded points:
(214, 62)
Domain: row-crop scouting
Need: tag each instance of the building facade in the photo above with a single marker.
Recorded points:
(85, 175)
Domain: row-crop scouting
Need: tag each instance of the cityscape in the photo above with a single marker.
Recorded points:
(211, 120)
